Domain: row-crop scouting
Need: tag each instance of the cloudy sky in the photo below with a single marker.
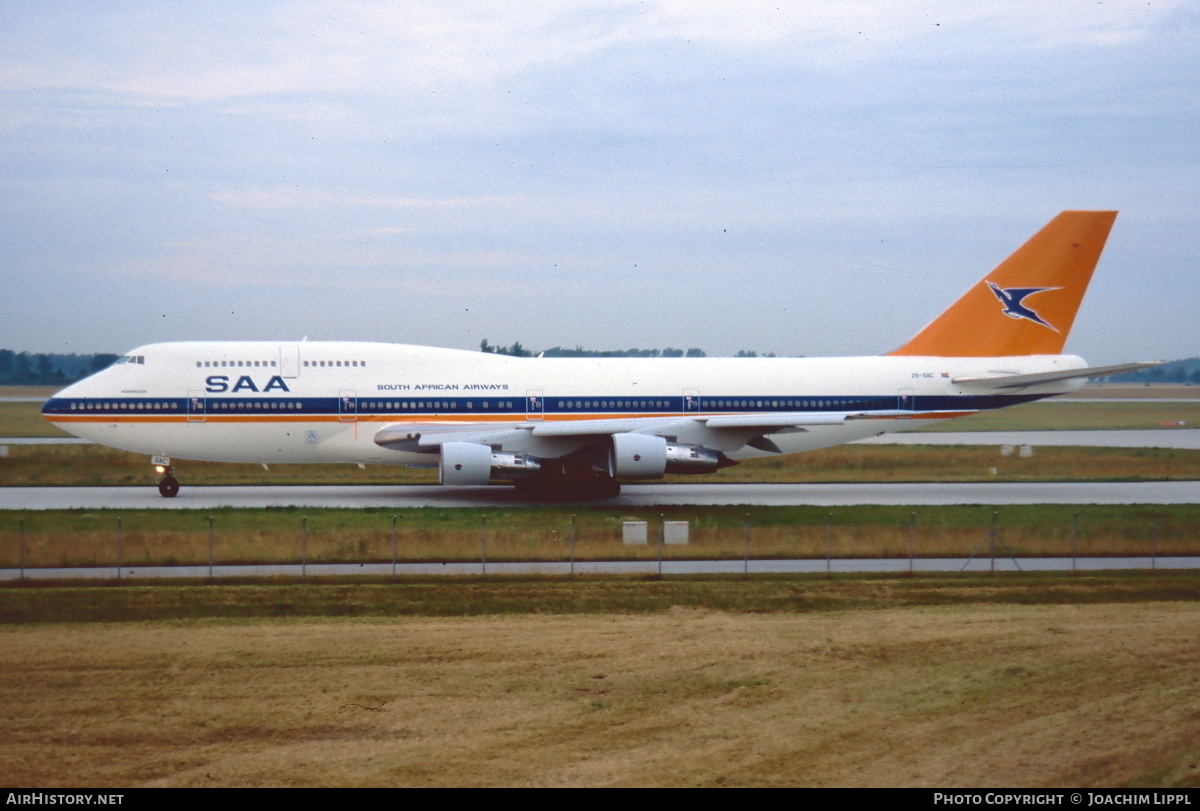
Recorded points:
(816, 178)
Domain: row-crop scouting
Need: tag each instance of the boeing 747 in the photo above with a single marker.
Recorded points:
(576, 428)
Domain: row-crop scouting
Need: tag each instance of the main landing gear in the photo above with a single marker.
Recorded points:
(168, 485)
(568, 488)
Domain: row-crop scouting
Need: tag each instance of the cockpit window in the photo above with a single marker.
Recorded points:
(130, 359)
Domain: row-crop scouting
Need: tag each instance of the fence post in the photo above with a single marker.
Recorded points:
(393, 546)
(210, 547)
(21, 545)
(118, 547)
(828, 545)
(304, 546)
(661, 532)
(746, 544)
(992, 540)
(572, 546)
(912, 521)
(1074, 540)
(483, 544)
(1154, 542)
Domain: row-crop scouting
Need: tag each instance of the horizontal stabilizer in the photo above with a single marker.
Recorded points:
(1022, 381)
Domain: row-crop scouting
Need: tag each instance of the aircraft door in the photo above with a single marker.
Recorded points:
(905, 401)
(289, 361)
(535, 404)
(197, 407)
(347, 405)
(691, 401)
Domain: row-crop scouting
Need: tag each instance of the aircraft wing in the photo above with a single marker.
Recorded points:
(1017, 381)
(728, 431)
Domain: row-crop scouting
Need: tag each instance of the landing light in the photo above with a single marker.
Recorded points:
(160, 469)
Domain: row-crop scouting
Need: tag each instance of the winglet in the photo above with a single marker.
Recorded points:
(1026, 306)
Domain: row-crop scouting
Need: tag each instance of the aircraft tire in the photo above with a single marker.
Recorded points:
(168, 487)
(609, 488)
(542, 489)
(567, 488)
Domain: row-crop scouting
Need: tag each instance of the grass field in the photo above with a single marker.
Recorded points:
(1075, 415)
(1029, 681)
(25, 419)
(39, 601)
(93, 465)
(1170, 391)
(1003, 681)
(168, 537)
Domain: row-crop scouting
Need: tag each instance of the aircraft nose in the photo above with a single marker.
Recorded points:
(57, 403)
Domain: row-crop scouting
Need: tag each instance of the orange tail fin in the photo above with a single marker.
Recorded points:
(1026, 306)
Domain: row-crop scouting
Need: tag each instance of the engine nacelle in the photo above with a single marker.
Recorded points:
(637, 456)
(466, 463)
(644, 456)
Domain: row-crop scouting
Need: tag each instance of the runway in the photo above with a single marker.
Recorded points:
(635, 495)
(593, 567)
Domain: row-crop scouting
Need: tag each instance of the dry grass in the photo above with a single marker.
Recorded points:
(1088, 695)
(29, 391)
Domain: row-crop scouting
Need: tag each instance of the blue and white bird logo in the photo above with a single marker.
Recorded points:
(1013, 297)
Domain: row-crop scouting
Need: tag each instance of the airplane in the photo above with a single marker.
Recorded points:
(577, 427)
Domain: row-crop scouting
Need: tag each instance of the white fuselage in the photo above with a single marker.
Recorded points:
(325, 401)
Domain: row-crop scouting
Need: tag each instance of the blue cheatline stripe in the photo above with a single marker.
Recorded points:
(422, 406)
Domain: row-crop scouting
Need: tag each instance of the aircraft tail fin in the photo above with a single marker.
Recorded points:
(1026, 306)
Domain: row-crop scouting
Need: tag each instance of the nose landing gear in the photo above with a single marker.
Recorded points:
(168, 485)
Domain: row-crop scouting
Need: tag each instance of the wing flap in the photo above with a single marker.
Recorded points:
(420, 437)
(768, 421)
(567, 428)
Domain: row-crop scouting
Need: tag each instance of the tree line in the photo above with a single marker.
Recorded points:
(1186, 371)
(48, 368)
(517, 350)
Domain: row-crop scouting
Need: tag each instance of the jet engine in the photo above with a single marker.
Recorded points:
(472, 463)
(645, 456)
